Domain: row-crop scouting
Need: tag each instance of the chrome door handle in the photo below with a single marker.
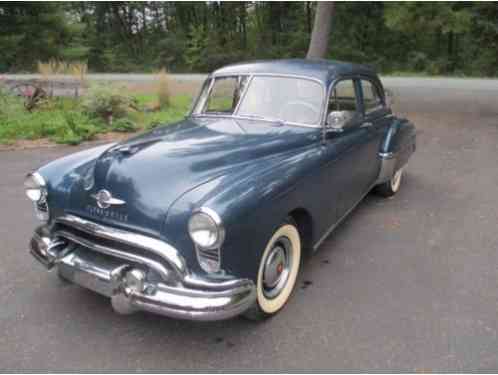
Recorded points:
(366, 125)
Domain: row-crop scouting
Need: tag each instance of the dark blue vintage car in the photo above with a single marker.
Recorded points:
(210, 217)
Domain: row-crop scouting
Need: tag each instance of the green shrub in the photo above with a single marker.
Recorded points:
(108, 103)
(78, 127)
(68, 120)
(124, 125)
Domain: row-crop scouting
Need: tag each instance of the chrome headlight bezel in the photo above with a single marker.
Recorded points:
(35, 187)
(213, 222)
(36, 191)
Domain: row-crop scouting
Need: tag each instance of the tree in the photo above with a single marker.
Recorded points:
(321, 30)
(29, 32)
(123, 36)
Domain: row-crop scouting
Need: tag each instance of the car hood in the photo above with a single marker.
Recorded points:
(149, 172)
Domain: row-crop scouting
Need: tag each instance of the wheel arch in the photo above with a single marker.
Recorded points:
(304, 223)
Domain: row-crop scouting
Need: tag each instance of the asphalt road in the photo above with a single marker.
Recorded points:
(408, 283)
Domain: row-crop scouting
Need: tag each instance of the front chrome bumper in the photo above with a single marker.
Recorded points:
(155, 279)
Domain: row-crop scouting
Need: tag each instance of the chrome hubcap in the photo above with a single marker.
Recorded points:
(277, 267)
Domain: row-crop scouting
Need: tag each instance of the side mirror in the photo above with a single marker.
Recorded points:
(337, 121)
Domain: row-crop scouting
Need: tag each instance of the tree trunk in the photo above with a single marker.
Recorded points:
(308, 17)
(321, 30)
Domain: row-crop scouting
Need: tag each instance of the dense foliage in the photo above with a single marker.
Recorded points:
(74, 120)
(434, 38)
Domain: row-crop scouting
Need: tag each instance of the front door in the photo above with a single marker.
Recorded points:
(355, 148)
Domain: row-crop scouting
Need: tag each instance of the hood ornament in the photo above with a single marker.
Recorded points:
(105, 199)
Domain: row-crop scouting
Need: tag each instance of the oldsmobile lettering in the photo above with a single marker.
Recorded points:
(101, 212)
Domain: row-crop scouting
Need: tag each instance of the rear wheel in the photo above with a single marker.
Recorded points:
(277, 272)
(391, 187)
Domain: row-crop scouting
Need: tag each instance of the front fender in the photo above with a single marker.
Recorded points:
(252, 203)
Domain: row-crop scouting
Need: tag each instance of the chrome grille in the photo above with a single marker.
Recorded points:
(42, 206)
(113, 247)
(213, 254)
(41, 209)
(209, 257)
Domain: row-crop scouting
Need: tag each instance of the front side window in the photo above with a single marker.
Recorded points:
(224, 95)
(287, 99)
(371, 97)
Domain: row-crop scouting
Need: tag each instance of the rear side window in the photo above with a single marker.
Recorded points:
(343, 97)
(371, 97)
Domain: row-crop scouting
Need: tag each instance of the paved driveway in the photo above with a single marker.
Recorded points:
(409, 283)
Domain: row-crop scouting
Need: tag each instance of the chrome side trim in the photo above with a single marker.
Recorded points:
(155, 246)
(387, 166)
(386, 155)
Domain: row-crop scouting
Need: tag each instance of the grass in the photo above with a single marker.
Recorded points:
(65, 120)
(178, 108)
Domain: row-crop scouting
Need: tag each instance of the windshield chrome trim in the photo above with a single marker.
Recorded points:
(196, 100)
(257, 119)
(235, 115)
(243, 94)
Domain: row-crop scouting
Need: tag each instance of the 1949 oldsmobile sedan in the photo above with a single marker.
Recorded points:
(210, 217)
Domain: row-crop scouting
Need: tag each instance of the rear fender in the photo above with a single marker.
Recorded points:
(398, 145)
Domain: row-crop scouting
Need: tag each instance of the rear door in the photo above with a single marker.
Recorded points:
(376, 118)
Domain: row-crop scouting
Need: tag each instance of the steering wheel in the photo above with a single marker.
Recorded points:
(313, 111)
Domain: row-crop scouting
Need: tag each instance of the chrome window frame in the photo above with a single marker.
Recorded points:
(333, 84)
(381, 104)
(318, 125)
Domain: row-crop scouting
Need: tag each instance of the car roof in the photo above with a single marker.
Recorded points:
(323, 70)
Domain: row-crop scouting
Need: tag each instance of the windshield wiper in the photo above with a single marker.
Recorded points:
(257, 117)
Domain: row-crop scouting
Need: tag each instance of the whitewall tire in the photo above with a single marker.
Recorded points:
(391, 187)
(277, 273)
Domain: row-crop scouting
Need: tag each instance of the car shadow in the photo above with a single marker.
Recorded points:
(152, 330)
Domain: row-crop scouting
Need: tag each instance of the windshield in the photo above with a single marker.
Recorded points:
(286, 99)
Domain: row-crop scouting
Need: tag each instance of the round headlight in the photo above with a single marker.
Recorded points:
(35, 187)
(205, 229)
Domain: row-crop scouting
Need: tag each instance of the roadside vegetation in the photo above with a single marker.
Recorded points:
(96, 110)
